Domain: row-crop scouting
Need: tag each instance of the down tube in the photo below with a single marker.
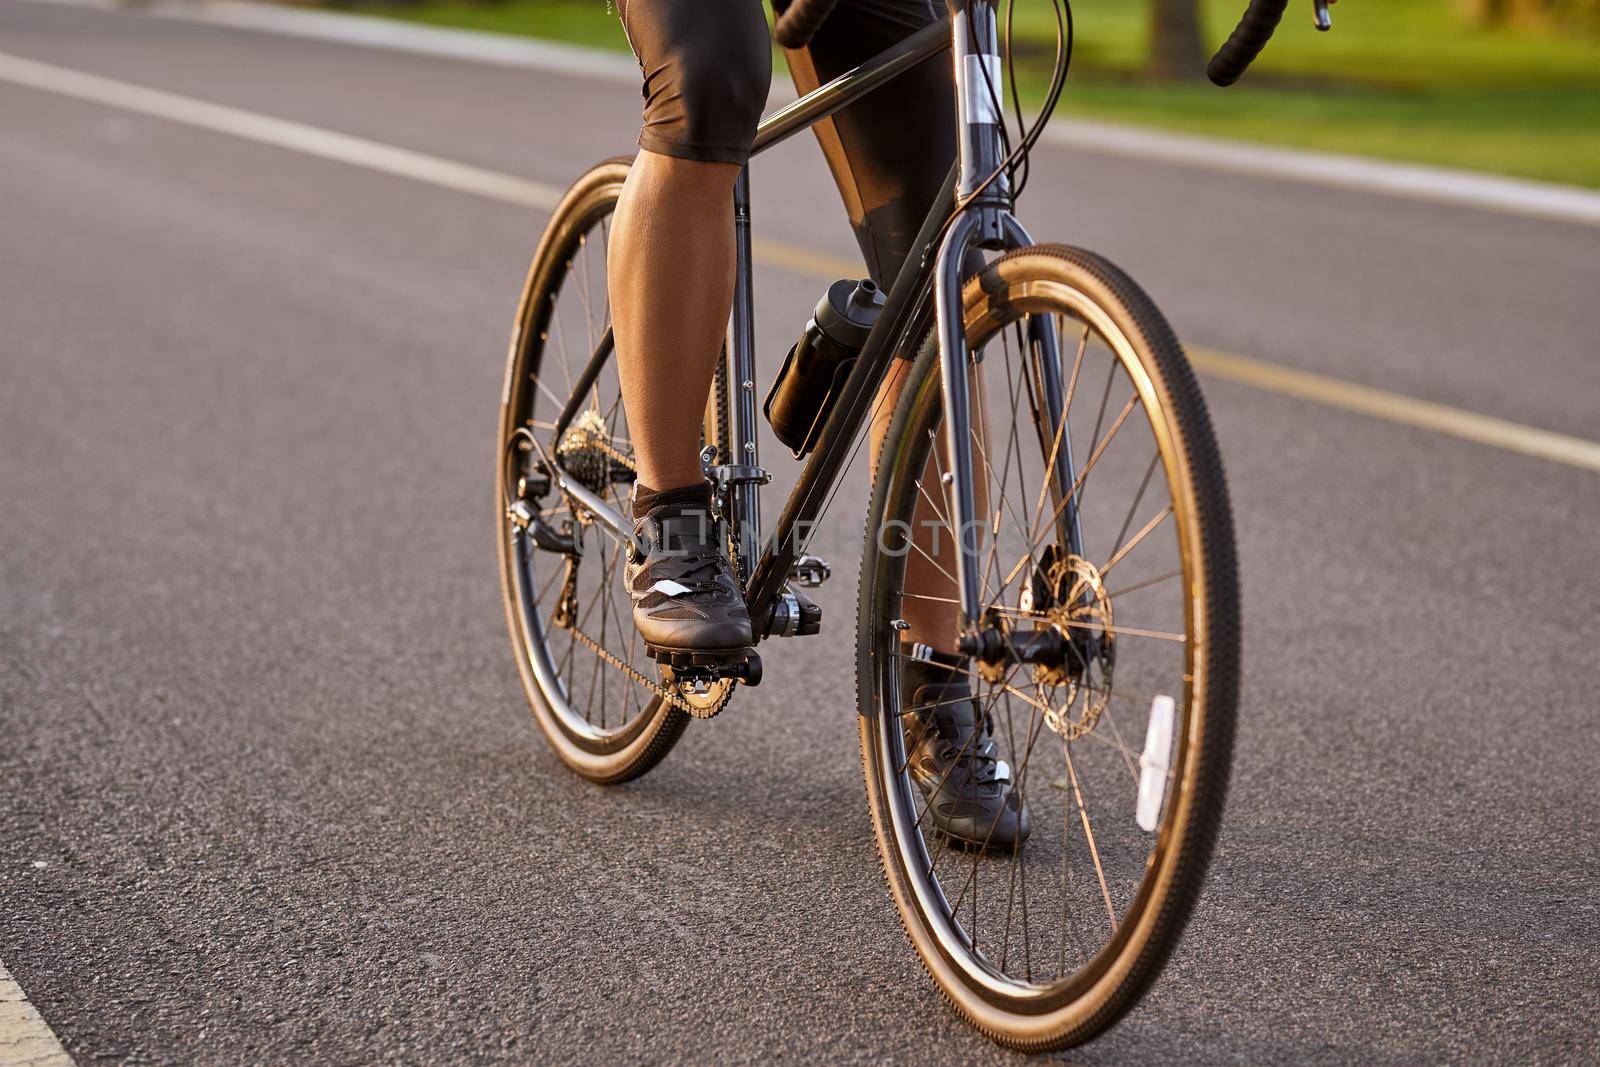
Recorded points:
(851, 412)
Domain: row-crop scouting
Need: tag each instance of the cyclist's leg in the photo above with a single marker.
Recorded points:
(889, 154)
(890, 151)
(706, 68)
(671, 285)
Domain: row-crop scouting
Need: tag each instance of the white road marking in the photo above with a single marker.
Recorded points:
(281, 133)
(510, 189)
(26, 1040)
(367, 31)
(448, 42)
(1442, 185)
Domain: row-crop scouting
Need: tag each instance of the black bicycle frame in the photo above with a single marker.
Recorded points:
(972, 211)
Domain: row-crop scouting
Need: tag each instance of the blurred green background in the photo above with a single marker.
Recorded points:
(1511, 86)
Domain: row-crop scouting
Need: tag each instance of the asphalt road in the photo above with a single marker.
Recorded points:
(268, 788)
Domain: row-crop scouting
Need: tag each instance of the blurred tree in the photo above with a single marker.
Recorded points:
(1501, 12)
(1176, 50)
(1531, 12)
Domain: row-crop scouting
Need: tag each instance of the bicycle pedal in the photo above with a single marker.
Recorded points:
(743, 666)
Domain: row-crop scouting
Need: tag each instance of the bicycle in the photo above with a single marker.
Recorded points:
(1109, 665)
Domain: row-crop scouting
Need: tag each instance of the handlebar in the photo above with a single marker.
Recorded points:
(800, 21)
(1246, 41)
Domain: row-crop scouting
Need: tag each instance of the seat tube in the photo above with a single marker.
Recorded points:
(741, 384)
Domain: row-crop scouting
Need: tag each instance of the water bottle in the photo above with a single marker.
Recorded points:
(820, 361)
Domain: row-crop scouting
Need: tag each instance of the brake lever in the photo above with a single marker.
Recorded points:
(1324, 19)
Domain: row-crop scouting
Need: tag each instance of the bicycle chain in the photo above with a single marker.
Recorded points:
(672, 697)
(615, 453)
(588, 437)
(585, 436)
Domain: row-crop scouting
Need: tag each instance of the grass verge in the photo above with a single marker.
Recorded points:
(1397, 79)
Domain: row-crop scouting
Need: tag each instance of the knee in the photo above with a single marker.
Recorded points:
(708, 104)
(723, 93)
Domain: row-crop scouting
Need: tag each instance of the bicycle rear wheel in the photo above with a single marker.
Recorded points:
(594, 692)
(1129, 573)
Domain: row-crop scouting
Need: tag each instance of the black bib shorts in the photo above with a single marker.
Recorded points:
(707, 68)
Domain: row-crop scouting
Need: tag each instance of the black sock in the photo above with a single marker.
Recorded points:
(916, 650)
(928, 666)
(646, 499)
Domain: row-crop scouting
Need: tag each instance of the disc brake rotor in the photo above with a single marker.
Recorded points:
(1071, 598)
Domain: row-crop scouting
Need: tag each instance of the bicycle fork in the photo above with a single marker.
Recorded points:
(984, 221)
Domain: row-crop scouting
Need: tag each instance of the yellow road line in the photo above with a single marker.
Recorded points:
(25, 1038)
(511, 189)
(1393, 407)
(799, 260)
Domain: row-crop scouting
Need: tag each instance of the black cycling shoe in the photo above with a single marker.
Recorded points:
(954, 761)
(685, 599)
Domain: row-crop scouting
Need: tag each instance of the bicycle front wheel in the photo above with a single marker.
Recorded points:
(1119, 747)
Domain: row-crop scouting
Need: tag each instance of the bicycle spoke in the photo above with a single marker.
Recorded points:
(1127, 520)
(566, 357)
(1048, 884)
(1069, 916)
(1126, 752)
(1013, 451)
(1111, 374)
(956, 761)
(605, 256)
(1016, 862)
(924, 554)
(609, 583)
(546, 391)
(1147, 583)
(1129, 758)
(583, 291)
(1036, 724)
(1061, 429)
(1088, 835)
(1077, 484)
(1134, 543)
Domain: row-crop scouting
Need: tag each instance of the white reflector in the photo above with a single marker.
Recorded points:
(1156, 762)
